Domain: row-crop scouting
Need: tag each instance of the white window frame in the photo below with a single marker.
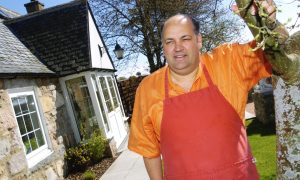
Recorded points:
(108, 129)
(44, 151)
(91, 86)
(93, 95)
(116, 90)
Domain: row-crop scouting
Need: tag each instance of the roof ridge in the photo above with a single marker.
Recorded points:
(14, 12)
(8, 13)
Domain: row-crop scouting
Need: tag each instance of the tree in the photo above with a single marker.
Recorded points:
(137, 24)
(283, 53)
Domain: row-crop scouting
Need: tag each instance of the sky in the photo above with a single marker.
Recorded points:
(288, 10)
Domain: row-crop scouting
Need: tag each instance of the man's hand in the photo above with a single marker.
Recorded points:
(260, 16)
(260, 7)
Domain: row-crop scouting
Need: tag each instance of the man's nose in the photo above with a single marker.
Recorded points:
(178, 46)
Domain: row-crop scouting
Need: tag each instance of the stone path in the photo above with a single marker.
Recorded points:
(128, 166)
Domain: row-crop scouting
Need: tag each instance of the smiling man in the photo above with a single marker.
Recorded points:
(191, 112)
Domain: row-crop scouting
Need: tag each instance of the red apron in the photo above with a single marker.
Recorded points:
(203, 137)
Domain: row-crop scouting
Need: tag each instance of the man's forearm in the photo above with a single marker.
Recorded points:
(154, 168)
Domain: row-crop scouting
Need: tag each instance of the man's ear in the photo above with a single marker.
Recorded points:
(199, 41)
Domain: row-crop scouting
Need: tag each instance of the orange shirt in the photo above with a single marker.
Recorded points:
(233, 68)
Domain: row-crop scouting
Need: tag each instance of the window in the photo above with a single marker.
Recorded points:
(109, 92)
(82, 107)
(30, 126)
(100, 101)
(112, 91)
(106, 94)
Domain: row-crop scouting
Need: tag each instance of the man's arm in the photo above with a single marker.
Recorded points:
(154, 168)
(272, 37)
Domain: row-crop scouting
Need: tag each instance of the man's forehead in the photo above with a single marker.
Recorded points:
(177, 19)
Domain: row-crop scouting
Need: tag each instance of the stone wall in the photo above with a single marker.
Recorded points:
(264, 106)
(13, 162)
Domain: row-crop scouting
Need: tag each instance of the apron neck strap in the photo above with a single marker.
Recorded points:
(207, 76)
(166, 84)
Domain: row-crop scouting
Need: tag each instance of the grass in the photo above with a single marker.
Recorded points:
(262, 140)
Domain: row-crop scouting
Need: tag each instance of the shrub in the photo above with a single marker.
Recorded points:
(77, 158)
(89, 175)
(96, 146)
(84, 154)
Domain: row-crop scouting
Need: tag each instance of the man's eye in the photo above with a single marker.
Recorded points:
(187, 39)
(169, 42)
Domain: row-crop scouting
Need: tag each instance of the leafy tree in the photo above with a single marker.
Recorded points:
(137, 25)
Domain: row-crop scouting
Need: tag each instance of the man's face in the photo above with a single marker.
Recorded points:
(181, 45)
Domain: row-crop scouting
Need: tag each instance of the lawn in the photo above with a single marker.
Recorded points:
(262, 140)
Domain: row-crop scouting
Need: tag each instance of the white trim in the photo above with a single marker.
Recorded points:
(97, 85)
(93, 96)
(43, 151)
(41, 155)
(109, 133)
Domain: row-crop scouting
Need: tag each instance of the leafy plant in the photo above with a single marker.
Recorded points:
(77, 157)
(86, 153)
(89, 175)
(96, 146)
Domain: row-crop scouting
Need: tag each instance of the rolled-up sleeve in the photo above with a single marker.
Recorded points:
(142, 138)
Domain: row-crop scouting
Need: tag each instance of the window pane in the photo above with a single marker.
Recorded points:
(26, 144)
(32, 141)
(82, 106)
(31, 103)
(35, 120)
(28, 123)
(102, 82)
(23, 105)
(16, 106)
(40, 138)
(106, 94)
(21, 125)
(103, 112)
(113, 92)
(109, 106)
(115, 101)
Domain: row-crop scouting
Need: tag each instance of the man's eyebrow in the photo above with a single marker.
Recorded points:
(184, 36)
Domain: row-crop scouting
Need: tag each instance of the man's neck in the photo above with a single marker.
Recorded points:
(184, 81)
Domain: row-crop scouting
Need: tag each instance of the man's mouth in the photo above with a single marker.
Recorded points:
(179, 57)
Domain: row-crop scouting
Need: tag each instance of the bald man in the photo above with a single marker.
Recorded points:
(190, 114)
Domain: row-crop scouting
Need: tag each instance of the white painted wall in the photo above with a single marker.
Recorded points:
(95, 40)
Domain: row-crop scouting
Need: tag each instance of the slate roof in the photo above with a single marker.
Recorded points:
(57, 36)
(6, 13)
(15, 58)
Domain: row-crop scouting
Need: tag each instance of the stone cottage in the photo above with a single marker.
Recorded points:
(57, 86)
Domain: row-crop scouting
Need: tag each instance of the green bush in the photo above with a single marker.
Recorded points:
(84, 154)
(96, 146)
(77, 158)
(89, 175)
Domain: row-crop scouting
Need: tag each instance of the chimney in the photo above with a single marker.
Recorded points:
(34, 6)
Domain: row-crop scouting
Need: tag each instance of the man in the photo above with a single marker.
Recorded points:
(191, 112)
